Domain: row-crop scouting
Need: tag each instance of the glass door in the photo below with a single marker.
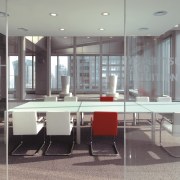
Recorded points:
(3, 98)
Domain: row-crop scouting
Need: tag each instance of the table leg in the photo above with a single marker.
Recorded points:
(134, 119)
(153, 128)
(78, 128)
(5, 128)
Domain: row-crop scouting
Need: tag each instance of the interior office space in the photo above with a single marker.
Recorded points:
(89, 41)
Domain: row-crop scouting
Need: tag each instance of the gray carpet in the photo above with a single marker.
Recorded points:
(144, 161)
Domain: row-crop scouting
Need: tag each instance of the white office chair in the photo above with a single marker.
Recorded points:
(164, 99)
(70, 98)
(173, 127)
(59, 124)
(50, 98)
(26, 123)
(74, 98)
(140, 99)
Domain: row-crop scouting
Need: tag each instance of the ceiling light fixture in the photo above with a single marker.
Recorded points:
(105, 14)
(22, 29)
(62, 29)
(160, 13)
(177, 25)
(101, 29)
(53, 14)
(143, 29)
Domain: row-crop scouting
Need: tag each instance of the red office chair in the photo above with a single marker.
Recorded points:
(104, 124)
(106, 98)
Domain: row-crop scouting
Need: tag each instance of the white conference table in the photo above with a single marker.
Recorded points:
(90, 107)
(45, 106)
(79, 107)
(120, 107)
(159, 108)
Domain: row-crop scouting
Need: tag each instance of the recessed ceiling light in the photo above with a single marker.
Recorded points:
(61, 29)
(177, 25)
(160, 13)
(101, 29)
(53, 14)
(3, 14)
(105, 14)
(143, 29)
(65, 37)
(88, 37)
(22, 29)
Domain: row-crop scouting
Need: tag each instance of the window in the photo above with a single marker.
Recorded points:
(112, 65)
(88, 68)
(30, 72)
(166, 54)
(59, 67)
(13, 71)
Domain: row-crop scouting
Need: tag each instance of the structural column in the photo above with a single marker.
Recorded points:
(20, 79)
(48, 77)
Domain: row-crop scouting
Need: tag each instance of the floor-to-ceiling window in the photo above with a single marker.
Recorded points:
(167, 62)
(13, 71)
(60, 66)
(112, 65)
(30, 72)
(88, 79)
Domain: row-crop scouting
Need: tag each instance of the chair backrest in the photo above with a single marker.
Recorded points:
(50, 98)
(104, 123)
(106, 98)
(58, 123)
(174, 127)
(142, 99)
(70, 98)
(25, 123)
(164, 99)
(176, 124)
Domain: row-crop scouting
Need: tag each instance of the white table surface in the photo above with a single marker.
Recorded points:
(90, 106)
(44, 106)
(161, 107)
(130, 107)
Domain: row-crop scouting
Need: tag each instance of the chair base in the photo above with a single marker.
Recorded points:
(160, 139)
(46, 153)
(116, 153)
(170, 153)
(13, 153)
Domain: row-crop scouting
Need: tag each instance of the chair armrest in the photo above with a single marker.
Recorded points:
(167, 120)
(40, 119)
(72, 120)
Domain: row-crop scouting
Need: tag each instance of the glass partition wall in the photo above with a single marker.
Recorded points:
(145, 63)
(3, 32)
(153, 71)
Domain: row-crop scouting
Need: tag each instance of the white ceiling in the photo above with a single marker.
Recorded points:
(83, 17)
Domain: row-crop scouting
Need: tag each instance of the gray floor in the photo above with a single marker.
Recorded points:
(144, 160)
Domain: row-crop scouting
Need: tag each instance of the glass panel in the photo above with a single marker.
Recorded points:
(113, 65)
(88, 74)
(13, 71)
(60, 66)
(63, 68)
(152, 71)
(54, 78)
(3, 147)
